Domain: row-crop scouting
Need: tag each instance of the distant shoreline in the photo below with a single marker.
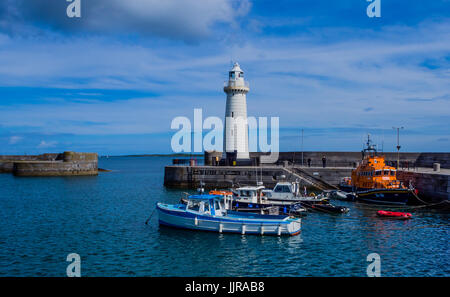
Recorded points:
(156, 155)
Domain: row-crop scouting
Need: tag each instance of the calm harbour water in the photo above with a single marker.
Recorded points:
(102, 219)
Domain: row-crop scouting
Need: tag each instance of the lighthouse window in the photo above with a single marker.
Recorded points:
(232, 74)
(232, 114)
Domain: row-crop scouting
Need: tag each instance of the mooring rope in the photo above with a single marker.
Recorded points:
(146, 222)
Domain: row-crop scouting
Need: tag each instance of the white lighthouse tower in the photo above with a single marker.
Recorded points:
(236, 125)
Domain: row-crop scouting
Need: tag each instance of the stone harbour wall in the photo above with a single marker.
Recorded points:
(65, 164)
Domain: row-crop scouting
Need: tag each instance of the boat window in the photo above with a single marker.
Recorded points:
(204, 206)
(194, 205)
(393, 172)
(217, 205)
(282, 189)
(277, 189)
(386, 172)
(378, 172)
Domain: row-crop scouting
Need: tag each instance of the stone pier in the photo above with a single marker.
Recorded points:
(65, 164)
(418, 168)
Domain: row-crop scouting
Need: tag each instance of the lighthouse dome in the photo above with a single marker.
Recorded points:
(236, 72)
(236, 67)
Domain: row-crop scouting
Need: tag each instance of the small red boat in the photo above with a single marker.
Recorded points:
(393, 214)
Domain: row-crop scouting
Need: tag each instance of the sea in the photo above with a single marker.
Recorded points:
(102, 219)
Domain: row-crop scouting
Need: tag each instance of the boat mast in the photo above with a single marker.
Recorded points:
(370, 147)
(398, 144)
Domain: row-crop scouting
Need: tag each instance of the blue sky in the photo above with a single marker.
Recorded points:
(112, 81)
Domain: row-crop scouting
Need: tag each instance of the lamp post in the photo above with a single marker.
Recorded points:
(398, 144)
(302, 147)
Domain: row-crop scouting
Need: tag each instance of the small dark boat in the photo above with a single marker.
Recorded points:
(340, 195)
(324, 206)
(394, 214)
(294, 209)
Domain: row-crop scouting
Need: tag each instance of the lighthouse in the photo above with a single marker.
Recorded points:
(235, 144)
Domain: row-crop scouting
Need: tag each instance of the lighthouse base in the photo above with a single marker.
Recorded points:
(232, 160)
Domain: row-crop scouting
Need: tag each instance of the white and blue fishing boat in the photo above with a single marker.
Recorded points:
(208, 213)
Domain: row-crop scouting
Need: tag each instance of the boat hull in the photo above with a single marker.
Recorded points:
(325, 207)
(283, 208)
(320, 206)
(386, 196)
(241, 224)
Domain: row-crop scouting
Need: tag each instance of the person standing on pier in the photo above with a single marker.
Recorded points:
(324, 161)
(309, 162)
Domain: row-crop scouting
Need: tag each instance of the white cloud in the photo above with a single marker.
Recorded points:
(187, 20)
(305, 81)
(15, 139)
(45, 144)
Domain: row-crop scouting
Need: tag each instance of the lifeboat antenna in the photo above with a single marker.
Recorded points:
(370, 147)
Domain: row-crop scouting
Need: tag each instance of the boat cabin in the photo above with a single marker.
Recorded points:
(250, 194)
(283, 190)
(227, 197)
(206, 204)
